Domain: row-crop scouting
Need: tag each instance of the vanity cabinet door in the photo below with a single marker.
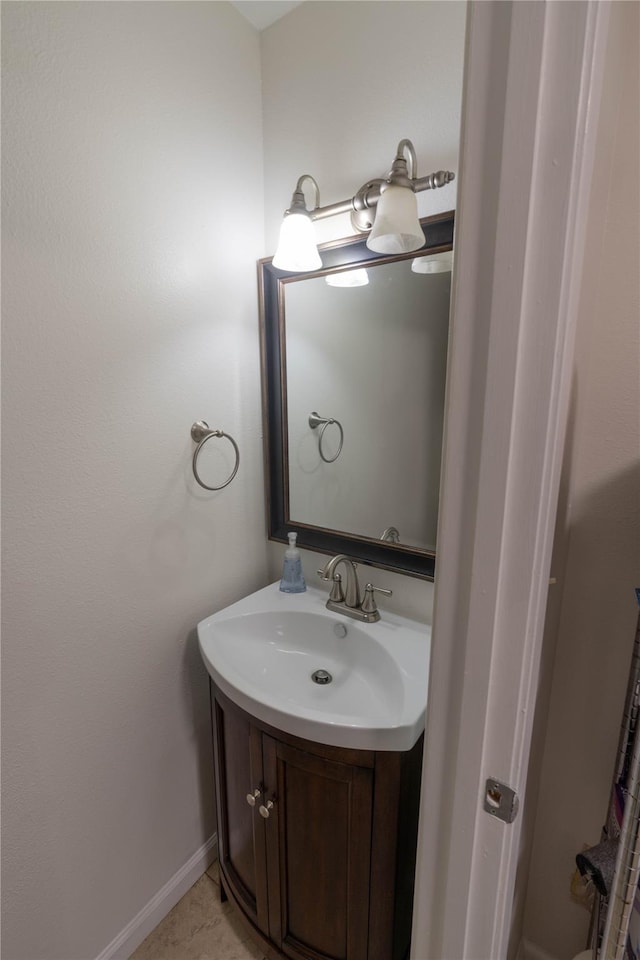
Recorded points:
(318, 839)
(241, 839)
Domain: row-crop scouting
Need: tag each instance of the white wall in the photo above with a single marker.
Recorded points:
(394, 71)
(132, 137)
(132, 151)
(592, 614)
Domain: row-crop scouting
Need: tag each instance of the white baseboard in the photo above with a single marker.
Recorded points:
(531, 951)
(122, 946)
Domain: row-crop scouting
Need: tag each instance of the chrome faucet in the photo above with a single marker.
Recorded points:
(349, 602)
(352, 596)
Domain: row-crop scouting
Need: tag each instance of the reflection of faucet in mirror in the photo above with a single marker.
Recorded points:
(391, 534)
(349, 603)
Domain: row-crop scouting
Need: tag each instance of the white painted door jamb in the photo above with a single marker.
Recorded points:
(532, 83)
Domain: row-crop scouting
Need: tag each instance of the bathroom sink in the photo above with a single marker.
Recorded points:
(370, 686)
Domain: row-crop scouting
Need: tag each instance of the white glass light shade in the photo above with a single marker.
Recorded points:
(396, 228)
(297, 250)
(348, 278)
(438, 263)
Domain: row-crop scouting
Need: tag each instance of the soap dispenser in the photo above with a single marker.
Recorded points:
(292, 577)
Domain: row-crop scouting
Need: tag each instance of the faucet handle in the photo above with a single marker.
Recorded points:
(337, 593)
(369, 602)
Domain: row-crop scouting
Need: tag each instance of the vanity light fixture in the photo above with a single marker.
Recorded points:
(297, 248)
(437, 263)
(348, 278)
(394, 226)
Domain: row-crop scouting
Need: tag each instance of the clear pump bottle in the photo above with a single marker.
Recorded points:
(292, 576)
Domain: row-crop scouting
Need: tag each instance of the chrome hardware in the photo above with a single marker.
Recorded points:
(369, 602)
(352, 595)
(200, 434)
(350, 603)
(265, 810)
(391, 534)
(252, 797)
(500, 801)
(361, 206)
(337, 594)
(321, 677)
(315, 420)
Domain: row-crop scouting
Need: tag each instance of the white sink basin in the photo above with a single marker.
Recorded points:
(262, 651)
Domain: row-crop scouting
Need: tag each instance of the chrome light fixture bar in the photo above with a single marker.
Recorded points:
(386, 206)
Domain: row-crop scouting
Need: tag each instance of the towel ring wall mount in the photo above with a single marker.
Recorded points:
(315, 420)
(200, 434)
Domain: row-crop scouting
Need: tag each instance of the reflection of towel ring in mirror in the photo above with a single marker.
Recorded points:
(314, 421)
(200, 433)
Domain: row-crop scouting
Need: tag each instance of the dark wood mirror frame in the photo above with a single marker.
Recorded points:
(337, 255)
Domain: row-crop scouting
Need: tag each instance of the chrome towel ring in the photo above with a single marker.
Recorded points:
(200, 433)
(314, 421)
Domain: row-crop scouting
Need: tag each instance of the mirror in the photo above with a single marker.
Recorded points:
(353, 391)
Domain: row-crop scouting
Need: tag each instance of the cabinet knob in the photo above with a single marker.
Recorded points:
(265, 810)
(252, 797)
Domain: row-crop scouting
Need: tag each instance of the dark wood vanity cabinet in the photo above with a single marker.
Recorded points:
(328, 873)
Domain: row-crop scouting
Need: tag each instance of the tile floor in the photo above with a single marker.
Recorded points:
(200, 928)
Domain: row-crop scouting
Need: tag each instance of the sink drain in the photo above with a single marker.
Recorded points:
(321, 676)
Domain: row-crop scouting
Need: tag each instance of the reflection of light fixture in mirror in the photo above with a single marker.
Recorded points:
(348, 278)
(297, 248)
(437, 263)
(395, 227)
